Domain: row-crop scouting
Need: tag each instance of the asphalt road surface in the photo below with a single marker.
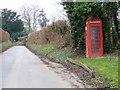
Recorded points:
(22, 69)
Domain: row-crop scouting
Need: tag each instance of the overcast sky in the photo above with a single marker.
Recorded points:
(51, 7)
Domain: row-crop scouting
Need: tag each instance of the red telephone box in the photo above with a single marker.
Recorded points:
(94, 38)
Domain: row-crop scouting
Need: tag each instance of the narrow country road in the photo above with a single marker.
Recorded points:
(23, 69)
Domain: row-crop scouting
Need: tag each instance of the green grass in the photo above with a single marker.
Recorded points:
(35, 47)
(53, 52)
(60, 55)
(48, 49)
(5, 45)
(106, 66)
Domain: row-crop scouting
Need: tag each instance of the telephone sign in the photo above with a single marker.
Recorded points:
(94, 38)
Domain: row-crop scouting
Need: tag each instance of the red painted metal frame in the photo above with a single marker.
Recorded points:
(89, 24)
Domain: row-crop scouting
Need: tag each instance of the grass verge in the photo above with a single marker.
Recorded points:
(52, 52)
(106, 67)
(5, 45)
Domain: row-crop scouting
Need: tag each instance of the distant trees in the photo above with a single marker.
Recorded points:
(30, 16)
(78, 12)
(11, 22)
(42, 20)
(33, 16)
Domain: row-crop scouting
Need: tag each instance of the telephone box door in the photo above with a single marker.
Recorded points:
(94, 38)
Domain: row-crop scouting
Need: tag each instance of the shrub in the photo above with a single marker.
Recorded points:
(57, 34)
(4, 36)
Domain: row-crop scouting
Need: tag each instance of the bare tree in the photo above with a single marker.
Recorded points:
(36, 11)
(26, 16)
(30, 14)
(61, 11)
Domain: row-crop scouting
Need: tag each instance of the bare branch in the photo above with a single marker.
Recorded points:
(30, 14)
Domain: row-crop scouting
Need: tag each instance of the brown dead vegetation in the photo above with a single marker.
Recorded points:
(57, 34)
(4, 36)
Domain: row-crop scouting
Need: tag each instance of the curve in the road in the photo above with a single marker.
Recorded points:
(22, 69)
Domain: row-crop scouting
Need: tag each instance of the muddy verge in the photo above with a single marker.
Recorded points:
(84, 77)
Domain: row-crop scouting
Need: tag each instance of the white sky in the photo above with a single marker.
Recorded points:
(51, 7)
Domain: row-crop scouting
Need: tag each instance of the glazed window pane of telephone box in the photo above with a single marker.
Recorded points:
(95, 39)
